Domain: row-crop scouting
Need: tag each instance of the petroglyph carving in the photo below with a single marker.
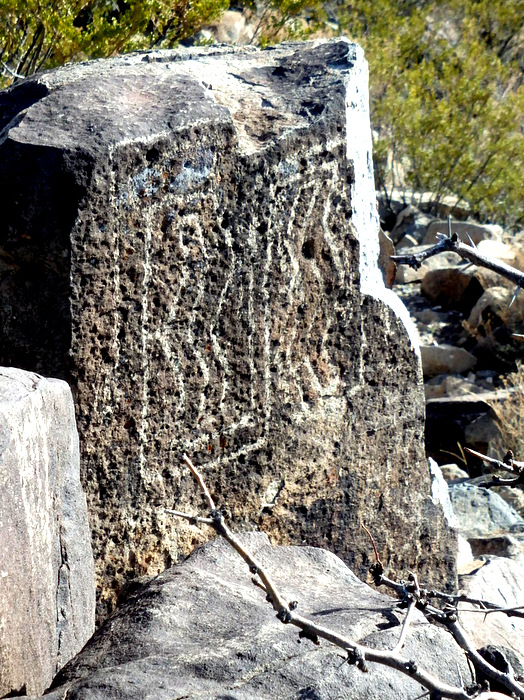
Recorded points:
(217, 292)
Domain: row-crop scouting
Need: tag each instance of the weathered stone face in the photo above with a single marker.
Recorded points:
(206, 222)
(47, 586)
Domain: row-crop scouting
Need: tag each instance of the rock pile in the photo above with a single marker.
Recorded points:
(491, 557)
(468, 324)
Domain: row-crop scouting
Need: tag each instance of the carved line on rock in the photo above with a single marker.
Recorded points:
(193, 341)
(220, 354)
(278, 246)
(333, 248)
(143, 428)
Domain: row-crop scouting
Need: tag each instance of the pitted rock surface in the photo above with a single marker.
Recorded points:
(191, 240)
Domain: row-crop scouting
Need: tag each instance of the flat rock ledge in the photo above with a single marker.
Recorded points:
(191, 240)
(47, 584)
(202, 630)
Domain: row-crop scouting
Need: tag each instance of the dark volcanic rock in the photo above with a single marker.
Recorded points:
(47, 584)
(191, 239)
(203, 630)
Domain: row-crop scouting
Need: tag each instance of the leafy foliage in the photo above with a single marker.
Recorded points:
(447, 98)
(510, 415)
(280, 20)
(36, 34)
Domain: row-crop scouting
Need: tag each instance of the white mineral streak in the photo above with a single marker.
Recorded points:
(219, 352)
(365, 215)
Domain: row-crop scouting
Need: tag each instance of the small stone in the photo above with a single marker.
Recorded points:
(452, 472)
(503, 545)
(483, 429)
(498, 250)
(445, 359)
(452, 287)
(465, 231)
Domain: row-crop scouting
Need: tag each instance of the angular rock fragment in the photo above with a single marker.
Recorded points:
(192, 242)
(482, 512)
(47, 586)
(499, 581)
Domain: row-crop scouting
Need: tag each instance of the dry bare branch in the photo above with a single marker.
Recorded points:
(200, 481)
(451, 243)
(405, 625)
(193, 519)
(358, 654)
(484, 606)
(508, 464)
(505, 679)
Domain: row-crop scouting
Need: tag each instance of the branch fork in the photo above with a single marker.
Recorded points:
(412, 596)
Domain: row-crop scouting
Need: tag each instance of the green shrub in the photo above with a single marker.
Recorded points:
(447, 98)
(37, 34)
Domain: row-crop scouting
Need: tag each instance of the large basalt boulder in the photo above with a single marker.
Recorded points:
(47, 585)
(203, 630)
(191, 239)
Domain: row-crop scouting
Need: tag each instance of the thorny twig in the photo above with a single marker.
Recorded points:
(451, 243)
(412, 604)
(508, 464)
(358, 654)
(484, 606)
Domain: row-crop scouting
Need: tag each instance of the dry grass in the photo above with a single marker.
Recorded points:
(510, 416)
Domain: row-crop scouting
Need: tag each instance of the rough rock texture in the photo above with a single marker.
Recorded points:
(482, 512)
(203, 630)
(193, 244)
(500, 582)
(47, 586)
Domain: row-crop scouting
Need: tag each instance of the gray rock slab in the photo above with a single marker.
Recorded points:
(203, 630)
(482, 512)
(191, 240)
(47, 586)
(499, 581)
